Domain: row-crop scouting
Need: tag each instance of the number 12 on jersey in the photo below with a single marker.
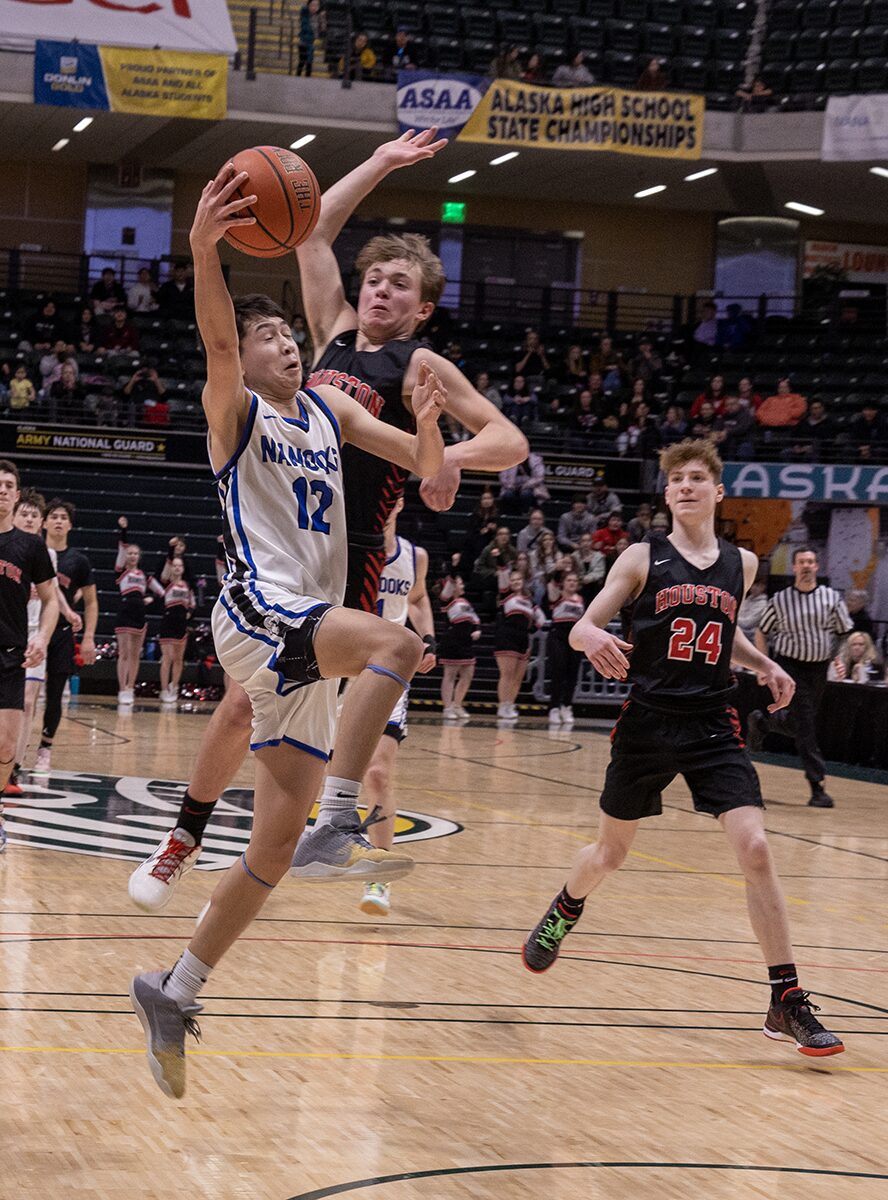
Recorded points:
(313, 521)
(685, 642)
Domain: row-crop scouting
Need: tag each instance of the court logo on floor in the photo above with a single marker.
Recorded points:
(124, 816)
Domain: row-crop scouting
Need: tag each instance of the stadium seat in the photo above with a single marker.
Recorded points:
(514, 26)
(665, 12)
(549, 30)
(632, 10)
(851, 13)
(601, 9)
(783, 15)
(446, 53)
(658, 39)
(622, 36)
(816, 14)
(727, 76)
(620, 69)
(690, 73)
(841, 75)
(807, 76)
(780, 46)
(701, 12)
(842, 43)
(568, 8)
(730, 44)
(479, 54)
(404, 15)
(441, 20)
(872, 74)
(479, 24)
(736, 16)
(811, 43)
(872, 41)
(878, 13)
(586, 33)
(694, 41)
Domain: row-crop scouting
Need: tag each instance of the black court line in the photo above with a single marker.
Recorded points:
(339, 1189)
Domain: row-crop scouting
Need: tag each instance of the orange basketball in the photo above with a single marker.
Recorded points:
(288, 201)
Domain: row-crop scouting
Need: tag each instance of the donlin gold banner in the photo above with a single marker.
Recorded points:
(653, 124)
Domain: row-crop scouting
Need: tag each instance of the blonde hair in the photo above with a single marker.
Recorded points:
(688, 451)
(412, 248)
(870, 653)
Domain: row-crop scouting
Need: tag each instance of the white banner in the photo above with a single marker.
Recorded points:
(169, 24)
(855, 129)
(858, 263)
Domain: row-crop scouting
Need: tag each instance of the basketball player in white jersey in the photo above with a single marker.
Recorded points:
(279, 626)
(402, 597)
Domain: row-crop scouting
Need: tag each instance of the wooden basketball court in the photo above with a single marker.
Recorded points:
(415, 1058)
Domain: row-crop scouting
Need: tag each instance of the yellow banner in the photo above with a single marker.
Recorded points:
(656, 124)
(166, 83)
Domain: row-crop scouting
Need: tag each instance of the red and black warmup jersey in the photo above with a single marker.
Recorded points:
(24, 560)
(682, 629)
(74, 572)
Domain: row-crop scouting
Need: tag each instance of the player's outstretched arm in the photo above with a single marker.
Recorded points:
(625, 581)
(422, 453)
(327, 310)
(419, 611)
(781, 684)
(225, 400)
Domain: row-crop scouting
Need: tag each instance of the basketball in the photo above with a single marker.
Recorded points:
(288, 201)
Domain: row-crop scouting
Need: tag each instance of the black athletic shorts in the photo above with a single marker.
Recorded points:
(60, 655)
(651, 747)
(365, 564)
(12, 677)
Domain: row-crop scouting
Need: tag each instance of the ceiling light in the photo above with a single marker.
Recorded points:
(495, 162)
(461, 176)
(61, 143)
(651, 191)
(701, 174)
(883, 171)
(804, 208)
(84, 124)
(303, 141)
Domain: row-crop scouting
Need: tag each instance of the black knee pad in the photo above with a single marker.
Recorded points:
(297, 661)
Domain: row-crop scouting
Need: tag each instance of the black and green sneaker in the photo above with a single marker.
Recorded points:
(542, 944)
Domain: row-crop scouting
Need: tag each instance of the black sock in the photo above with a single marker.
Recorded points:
(193, 816)
(569, 905)
(782, 978)
(44, 744)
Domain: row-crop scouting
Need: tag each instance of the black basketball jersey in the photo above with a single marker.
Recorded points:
(375, 378)
(682, 629)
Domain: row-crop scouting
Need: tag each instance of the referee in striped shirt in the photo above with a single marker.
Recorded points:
(805, 621)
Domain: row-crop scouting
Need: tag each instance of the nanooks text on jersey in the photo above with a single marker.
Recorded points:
(365, 395)
(281, 454)
(704, 595)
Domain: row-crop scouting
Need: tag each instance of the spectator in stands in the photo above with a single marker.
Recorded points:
(753, 607)
(735, 433)
(532, 531)
(22, 393)
(603, 402)
(782, 410)
(856, 662)
(647, 364)
(867, 433)
(498, 556)
(44, 329)
(532, 363)
(583, 417)
(524, 485)
(735, 330)
(103, 404)
(312, 28)
(602, 501)
(755, 96)
(706, 329)
(533, 72)
(362, 59)
(812, 433)
(156, 413)
(140, 298)
(107, 294)
(673, 427)
(175, 298)
(144, 390)
(482, 526)
(642, 435)
(609, 364)
(654, 77)
(86, 334)
(520, 404)
(639, 527)
(575, 73)
(856, 601)
(660, 522)
(402, 57)
(65, 396)
(544, 559)
(120, 337)
(590, 567)
(51, 364)
(749, 397)
(487, 390)
(705, 424)
(715, 393)
(575, 369)
(302, 337)
(606, 539)
(575, 522)
(506, 64)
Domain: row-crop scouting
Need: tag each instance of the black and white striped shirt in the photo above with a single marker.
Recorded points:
(806, 625)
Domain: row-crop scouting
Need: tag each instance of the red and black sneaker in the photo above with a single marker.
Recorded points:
(792, 1019)
(542, 944)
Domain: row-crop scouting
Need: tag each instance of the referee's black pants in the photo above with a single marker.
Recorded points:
(799, 720)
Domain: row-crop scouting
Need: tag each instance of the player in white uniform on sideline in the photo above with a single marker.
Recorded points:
(28, 516)
(402, 597)
(279, 626)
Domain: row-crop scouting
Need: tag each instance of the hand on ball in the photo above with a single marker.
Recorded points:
(217, 212)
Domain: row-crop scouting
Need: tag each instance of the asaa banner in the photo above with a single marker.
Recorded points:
(855, 129)
(201, 25)
(653, 124)
(426, 99)
(150, 82)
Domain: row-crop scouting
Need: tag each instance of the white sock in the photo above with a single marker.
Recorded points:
(186, 979)
(339, 795)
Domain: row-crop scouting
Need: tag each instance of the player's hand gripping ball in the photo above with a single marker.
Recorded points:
(288, 201)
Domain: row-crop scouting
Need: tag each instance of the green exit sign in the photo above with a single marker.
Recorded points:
(453, 212)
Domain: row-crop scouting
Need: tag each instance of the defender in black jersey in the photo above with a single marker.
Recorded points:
(372, 353)
(686, 589)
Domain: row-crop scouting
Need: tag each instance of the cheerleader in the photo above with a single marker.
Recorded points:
(178, 604)
(564, 663)
(517, 616)
(131, 623)
(457, 652)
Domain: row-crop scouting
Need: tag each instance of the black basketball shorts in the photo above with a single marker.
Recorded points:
(12, 677)
(651, 747)
(60, 654)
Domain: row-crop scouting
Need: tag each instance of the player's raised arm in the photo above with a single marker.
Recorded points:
(327, 310)
(623, 584)
(225, 398)
(422, 453)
